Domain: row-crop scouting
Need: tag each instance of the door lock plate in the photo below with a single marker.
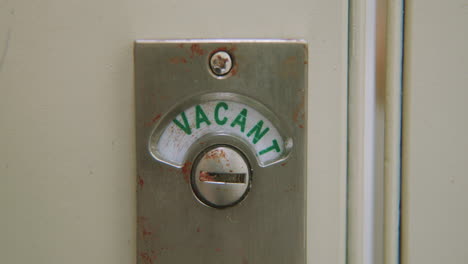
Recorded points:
(221, 151)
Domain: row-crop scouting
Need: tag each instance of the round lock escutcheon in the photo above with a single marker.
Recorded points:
(221, 176)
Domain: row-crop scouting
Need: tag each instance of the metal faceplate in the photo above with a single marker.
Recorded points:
(198, 98)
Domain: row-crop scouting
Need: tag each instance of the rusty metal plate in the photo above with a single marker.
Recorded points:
(250, 95)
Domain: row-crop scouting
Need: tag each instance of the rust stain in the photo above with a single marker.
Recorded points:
(205, 176)
(180, 45)
(216, 154)
(156, 118)
(234, 70)
(299, 114)
(233, 48)
(144, 227)
(148, 258)
(153, 120)
(244, 260)
(220, 61)
(198, 229)
(306, 62)
(290, 69)
(217, 249)
(283, 164)
(290, 60)
(141, 182)
(230, 49)
(146, 233)
(186, 171)
(196, 50)
(178, 60)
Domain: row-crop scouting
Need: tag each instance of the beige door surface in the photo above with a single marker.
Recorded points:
(435, 129)
(67, 158)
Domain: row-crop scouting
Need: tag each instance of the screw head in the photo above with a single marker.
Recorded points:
(221, 63)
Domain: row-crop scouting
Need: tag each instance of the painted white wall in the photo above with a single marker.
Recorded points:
(67, 159)
(435, 129)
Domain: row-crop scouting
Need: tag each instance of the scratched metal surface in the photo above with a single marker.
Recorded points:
(269, 226)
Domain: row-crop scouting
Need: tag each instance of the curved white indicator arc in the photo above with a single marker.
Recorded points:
(214, 118)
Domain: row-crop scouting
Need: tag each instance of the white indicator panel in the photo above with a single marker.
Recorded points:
(219, 117)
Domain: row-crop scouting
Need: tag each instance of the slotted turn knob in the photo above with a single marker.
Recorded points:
(221, 176)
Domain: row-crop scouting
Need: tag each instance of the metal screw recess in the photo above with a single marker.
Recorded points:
(221, 63)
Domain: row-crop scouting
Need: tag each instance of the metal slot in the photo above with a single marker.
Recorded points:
(221, 177)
